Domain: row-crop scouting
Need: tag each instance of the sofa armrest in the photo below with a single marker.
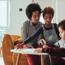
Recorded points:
(7, 45)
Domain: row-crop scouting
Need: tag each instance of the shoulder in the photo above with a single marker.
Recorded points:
(26, 25)
(26, 22)
(60, 41)
(56, 29)
(40, 23)
(41, 27)
(54, 24)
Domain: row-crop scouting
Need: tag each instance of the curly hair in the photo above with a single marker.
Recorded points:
(31, 8)
(48, 10)
(61, 24)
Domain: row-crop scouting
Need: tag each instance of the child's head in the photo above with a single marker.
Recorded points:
(61, 27)
(48, 13)
(48, 10)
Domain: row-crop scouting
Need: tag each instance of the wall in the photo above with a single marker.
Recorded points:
(61, 10)
(58, 6)
(46, 3)
(43, 4)
(17, 17)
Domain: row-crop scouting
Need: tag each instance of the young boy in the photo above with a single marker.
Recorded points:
(57, 49)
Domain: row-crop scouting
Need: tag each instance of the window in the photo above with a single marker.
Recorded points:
(41, 19)
(3, 18)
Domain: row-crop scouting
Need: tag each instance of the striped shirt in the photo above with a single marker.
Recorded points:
(28, 30)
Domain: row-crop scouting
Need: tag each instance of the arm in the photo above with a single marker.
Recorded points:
(53, 51)
(24, 32)
(52, 45)
(39, 30)
(24, 36)
(40, 36)
(59, 52)
(57, 45)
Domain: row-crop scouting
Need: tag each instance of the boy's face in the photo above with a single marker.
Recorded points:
(62, 33)
(35, 17)
(48, 18)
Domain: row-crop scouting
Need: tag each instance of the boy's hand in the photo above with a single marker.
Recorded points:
(43, 42)
(38, 50)
(44, 46)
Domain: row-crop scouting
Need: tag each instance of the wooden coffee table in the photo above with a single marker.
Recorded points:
(30, 51)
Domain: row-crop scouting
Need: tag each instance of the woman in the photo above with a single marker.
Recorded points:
(49, 30)
(30, 26)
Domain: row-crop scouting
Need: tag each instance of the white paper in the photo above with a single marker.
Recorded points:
(27, 51)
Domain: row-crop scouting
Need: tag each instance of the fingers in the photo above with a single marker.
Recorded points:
(15, 47)
(35, 50)
(44, 46)
(15, 42)
(32, 47)
(38, 50)
(43, 42)
(18, 46)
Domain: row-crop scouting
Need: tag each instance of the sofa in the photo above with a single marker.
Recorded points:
(8, 43)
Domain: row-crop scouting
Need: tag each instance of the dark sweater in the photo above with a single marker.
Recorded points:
(53, 51)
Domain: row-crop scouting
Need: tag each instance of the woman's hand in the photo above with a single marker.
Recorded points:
(38, 50)
(19, 46)
(43, 42)
(19, 40)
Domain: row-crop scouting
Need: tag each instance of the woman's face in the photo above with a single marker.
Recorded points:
(48, 18)
(62, 33)
(35, 17)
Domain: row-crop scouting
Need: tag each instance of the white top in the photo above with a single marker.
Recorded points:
(28, 51)
(60, 43)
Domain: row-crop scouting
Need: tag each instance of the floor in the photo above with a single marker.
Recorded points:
(1, 59)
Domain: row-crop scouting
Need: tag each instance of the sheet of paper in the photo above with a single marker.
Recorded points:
(23, 50)
(27, 51)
